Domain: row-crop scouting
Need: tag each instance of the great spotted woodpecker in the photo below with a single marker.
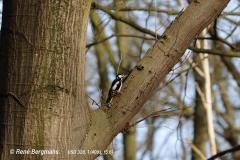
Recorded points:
(115, 87)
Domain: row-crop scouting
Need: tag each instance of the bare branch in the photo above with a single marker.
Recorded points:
(215, 52)
(124, 20)
(237, 148)
(196, 149)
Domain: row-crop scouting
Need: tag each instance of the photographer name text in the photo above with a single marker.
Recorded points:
(33, 151)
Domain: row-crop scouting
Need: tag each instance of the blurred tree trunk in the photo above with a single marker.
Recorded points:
(123, 43)
(200, 121)
(100, 51)
(203, 88)
(206, 96)
(129, 142)
(42, 77)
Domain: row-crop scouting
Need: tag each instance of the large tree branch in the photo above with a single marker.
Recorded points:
(150, 71)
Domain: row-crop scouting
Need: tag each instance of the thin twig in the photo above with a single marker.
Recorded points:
(119, 63)
(199, 153)
(100, 92)
(155, 126)
(94, 102)
(118, 35)
(154, 113)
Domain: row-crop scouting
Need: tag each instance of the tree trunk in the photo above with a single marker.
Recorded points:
(43, 104)
(200, 121)
(100, 51)
(129, 142)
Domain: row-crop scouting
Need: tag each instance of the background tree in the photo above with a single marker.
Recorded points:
(43, 98)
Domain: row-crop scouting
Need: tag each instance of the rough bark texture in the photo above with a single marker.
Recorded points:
(43, 104)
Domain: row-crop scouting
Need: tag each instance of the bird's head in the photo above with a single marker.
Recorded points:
(120, 76)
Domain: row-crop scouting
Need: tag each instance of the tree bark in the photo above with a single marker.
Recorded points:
(43, 103)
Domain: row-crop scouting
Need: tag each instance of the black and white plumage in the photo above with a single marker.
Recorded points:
(115, 87)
